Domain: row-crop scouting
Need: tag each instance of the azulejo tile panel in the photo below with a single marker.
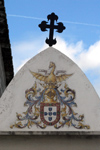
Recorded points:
(50, 102)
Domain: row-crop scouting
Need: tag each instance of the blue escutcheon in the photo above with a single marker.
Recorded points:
(45, 113)
(54, 113)
(49, 118)
(50, 113)
(50, 108)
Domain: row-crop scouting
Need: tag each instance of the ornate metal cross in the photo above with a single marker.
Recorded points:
(43, 26)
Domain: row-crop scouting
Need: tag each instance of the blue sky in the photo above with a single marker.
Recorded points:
(80, 41)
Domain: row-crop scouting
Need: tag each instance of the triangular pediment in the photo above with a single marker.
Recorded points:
(50, 93)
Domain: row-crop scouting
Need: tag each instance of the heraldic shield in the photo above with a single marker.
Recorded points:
(50, 113)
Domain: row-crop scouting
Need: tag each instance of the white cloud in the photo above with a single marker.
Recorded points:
(24, 50)
(24, 46)
(90, 59)
(87, 59)
(22, 64)
(27, 46)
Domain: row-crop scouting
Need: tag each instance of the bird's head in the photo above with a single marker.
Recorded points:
(51, 65)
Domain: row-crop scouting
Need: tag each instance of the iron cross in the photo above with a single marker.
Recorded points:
(43, 26)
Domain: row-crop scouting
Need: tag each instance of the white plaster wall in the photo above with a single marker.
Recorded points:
(13, 99)
(2, 74)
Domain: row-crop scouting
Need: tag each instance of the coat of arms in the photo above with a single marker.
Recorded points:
(50, 102)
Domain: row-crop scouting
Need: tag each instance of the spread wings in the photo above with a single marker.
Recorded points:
(43, 78)
(39, 76)
(62, 77)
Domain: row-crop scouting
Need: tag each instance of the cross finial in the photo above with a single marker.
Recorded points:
(44, 26)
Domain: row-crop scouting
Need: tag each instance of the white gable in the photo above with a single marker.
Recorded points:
(50, 93)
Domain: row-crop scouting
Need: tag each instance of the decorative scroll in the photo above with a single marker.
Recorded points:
(50, 102)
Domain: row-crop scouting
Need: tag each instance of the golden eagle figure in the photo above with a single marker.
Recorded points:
(51, 78)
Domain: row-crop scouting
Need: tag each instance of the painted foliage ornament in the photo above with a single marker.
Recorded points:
(50, 102)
